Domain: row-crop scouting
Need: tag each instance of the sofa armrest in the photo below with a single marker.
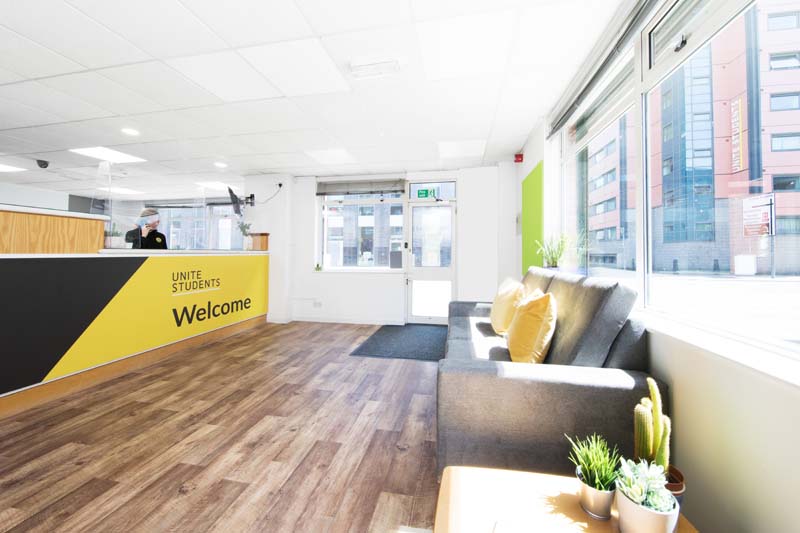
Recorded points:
(515, 415)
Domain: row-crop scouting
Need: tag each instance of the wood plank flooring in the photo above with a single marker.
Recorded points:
(274, 429)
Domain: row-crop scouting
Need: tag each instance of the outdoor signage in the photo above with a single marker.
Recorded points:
(758, 215)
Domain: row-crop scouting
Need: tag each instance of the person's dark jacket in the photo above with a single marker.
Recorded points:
(154, 241)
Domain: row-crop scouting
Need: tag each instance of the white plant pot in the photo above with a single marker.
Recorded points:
(633, 518)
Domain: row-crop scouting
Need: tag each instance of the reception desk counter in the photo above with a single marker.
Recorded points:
(65, 314)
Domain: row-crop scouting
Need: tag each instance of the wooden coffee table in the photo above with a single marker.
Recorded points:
(485, 500)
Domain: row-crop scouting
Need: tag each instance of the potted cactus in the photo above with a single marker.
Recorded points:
(643, 502)
(652, 430)
(596, 468)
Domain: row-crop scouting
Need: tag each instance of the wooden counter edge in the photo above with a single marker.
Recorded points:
(23, 400)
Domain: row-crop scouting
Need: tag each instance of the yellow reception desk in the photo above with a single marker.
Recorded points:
(73, 320)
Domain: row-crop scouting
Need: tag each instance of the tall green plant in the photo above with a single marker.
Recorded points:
(652, 429)
(553, 249)
(597, 462)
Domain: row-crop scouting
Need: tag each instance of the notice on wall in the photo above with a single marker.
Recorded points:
(737, 157)
(758, 215)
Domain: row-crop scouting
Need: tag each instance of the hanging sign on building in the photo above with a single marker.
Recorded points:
(758, 215)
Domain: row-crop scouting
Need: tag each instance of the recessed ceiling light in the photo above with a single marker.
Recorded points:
(220, 164)
(107, 154)
(374, 69)
(118, 190)
(215, 185)
(455, 149)
(9, 168)
(130, 131)
(333, 156)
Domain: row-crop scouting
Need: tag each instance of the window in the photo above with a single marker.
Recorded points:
(787, 225)
(603, 207)
(361, 228)
(786, 183)
(602, 153)
(605, 234)
(718, 170)
(784, 101)
(785, 142)
(603, 179)
(783, 21)
(784, 61)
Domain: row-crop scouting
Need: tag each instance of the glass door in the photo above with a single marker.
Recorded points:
(431, 258)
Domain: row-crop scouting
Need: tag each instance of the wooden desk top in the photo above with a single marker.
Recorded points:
(484, 500)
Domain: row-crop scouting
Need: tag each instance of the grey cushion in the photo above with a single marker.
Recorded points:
(470, 309)
(629, 351)
(537, 278)
(462, 327)
(591, 312)
(490, 349)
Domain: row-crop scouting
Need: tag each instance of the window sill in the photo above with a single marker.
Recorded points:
(774, 361)
(360, 270)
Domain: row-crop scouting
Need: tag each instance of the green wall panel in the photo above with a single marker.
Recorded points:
(532, 216)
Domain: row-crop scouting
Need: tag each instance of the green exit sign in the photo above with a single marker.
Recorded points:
(426, 193)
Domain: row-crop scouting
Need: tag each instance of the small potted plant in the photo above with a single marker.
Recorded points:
(552, 250)
(652, 430)
(596, 468)
(643, 502)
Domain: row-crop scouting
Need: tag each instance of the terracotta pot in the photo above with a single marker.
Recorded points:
(675, 483)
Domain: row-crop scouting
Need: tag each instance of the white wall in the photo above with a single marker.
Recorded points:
(32, 197)
(509, 237)
(477, 224)
(736, 436)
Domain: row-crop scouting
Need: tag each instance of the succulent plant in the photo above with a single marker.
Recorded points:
(652, 429)
(643, 483)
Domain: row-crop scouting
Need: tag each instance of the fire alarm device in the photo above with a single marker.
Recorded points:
(518, 158)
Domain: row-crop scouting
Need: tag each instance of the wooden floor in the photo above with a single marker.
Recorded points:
(275, 429)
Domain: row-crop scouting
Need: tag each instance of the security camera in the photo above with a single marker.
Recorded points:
(42, 163)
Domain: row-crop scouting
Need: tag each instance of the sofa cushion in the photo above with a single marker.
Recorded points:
(482, 309)
(532, 328)
(537, 278)
(489, 348)
(509, 294)
(629, 351)
(591, 312)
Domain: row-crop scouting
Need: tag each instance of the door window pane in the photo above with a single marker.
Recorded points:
(718, 183)
(431, 239)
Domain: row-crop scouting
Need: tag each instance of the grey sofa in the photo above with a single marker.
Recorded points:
(493, 412)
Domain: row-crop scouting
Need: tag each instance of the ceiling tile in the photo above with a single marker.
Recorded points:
(175, 125)
(219, 147)
(287, 141)
(163, 28)
(27, 59)
(6, 76)
(58, 136)
(16, 115)
(64, 29)
(11, 145)
(102, 92)
(328, 17)
(248, 22)
(297, 67)
(226, 75)
(251, 117)
(41, 97)
(65, 159)
(395, 152)
(466, 46)
(426, 9)
(172, 88)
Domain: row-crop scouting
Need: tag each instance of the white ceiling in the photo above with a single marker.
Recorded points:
(266, 86)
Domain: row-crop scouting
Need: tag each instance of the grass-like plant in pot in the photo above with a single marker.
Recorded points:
(552, 250)
(596, 468)
(643, 502)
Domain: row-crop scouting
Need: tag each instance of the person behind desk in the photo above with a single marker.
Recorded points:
(145, 235)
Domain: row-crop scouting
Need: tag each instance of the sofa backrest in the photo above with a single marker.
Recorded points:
(591, 313)
(629, 351)
(537, 278)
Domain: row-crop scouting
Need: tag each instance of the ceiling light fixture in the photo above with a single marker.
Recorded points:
(220, 164)
(107, 154)
(130, 131)
(118, 190)
(374, 69)
(9, 168)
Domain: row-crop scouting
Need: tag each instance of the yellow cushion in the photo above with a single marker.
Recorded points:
(532, 328)
(508, 296)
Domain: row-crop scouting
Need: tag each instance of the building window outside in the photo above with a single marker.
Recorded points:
(785, 142)
(786, 183)
(362, 230)
(784, 61)
(727, 156)
(784, 101)
(603, 179)
(603, 207)
(783, 21)
(602, 153)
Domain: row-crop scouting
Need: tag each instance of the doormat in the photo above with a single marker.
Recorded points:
(412, 341)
